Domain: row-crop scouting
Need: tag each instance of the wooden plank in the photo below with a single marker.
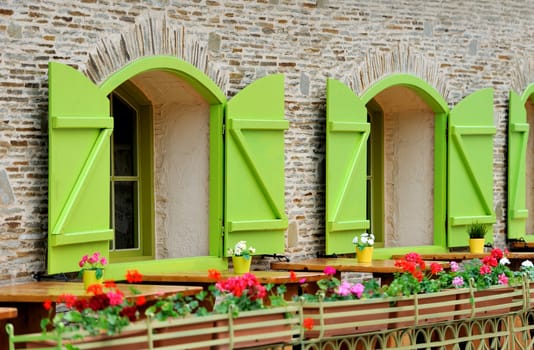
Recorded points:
(38, 292)
(7, 313)
(264, 277)
(340, 264)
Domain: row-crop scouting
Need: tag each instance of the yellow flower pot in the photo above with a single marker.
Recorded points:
(364, 255)
(476, 245)
(241, 265)
(89, 278)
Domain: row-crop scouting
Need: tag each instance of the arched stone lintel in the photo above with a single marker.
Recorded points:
(400, 66)
(154, 36)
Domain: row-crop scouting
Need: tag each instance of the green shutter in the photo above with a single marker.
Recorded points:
(517, 156)
(470, 168)
(254, 170)
(347, 131)
(78, 182)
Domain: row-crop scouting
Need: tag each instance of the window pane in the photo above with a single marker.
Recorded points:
(123, 138)
(125, 226)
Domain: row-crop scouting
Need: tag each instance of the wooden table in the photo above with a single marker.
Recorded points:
(7, 312)
(294, 286)
(383, 269)
(28, 297)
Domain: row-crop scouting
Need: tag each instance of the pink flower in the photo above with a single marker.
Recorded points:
(83, 261)
(302, 280)
(485, 269)
(454, 266)
(503, 279)
(115, 298)
(458, 281)
(357, 289)
(329, 270)
(344, 288)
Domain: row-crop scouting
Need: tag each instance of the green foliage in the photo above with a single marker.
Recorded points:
(331, 289)
(477, 230)
(177, 306)
(490, 271)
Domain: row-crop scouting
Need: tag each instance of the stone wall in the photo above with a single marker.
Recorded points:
(456, 46)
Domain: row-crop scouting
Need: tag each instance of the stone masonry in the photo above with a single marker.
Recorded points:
(456, 46)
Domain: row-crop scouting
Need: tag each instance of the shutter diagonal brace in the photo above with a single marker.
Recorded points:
(351, 127)
(81, 180)
(522, 129)
(236, 126)
(457, 133)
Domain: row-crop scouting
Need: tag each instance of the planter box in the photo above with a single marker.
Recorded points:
(496, 300)
(131, 339)
(257, 328)
(279, 325)
(195, 332)
(334, 318)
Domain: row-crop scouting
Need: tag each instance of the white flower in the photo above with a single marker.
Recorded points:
(241, 249)
(364, 240)
(527, 263)
(504, 261)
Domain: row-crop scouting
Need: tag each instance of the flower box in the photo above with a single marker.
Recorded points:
(257, 328)
(268, 326)
(134, 337)
(334, 318)
(495, 300)
(195, 332)
(423, 309)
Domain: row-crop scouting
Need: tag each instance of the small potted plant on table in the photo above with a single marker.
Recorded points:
(364, 247)
(477, 233)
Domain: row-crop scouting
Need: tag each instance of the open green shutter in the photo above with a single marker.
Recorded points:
(470, 168)
(78, 182)
(347, 131)
(254, 172)
(517, 156)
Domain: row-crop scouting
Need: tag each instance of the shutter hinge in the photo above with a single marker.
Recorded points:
(223, 128)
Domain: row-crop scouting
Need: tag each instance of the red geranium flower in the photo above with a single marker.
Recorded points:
(308, 323)
(133, 276)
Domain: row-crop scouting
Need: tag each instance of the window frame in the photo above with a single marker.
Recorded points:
(131, 95)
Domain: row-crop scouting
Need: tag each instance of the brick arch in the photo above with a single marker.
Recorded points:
(151, 36)
(401, 59)
(522, 76)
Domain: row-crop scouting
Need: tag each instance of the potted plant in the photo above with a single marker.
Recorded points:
(241, 256)
(477, 233)
(92, 269)
(364, 247)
